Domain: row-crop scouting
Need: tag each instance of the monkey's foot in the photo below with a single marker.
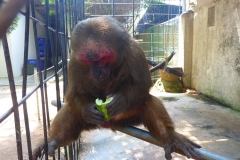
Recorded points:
(37, 152)
(52, 146)
(182, 145)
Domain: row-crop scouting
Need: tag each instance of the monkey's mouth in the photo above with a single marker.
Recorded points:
(101, 73)
(102, 80)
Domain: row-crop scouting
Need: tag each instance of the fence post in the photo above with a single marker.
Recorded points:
(36, 84)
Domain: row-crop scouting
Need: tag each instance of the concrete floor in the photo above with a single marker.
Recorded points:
(213, 126)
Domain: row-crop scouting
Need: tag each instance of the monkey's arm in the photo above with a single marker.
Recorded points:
(131, 94)
(79, 98)
(161, 127)
(134, 89)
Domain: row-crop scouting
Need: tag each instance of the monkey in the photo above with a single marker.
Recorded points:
(107, 62)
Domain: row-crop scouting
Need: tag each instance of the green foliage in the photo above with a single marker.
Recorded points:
(14, 25)
(50, 1)
(51, 12)
(155, 1)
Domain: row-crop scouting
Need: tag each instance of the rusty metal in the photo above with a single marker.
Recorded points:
(24, 84)
(46, 62)
(56, 56)
(14, 96)
(63, 45)
(40, 74)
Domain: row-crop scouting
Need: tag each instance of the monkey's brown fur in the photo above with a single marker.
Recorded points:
(106, 61)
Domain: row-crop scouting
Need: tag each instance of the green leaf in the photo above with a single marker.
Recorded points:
(101, 107)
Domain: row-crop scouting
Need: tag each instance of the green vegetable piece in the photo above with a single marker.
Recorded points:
(101, 107)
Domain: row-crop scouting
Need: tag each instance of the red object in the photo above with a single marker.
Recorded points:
(107, 124)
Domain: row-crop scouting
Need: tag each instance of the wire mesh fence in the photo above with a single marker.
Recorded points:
(160, 41)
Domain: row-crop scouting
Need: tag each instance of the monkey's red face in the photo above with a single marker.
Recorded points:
(99, 58)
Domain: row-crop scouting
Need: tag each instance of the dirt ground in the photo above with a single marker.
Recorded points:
(215, 127)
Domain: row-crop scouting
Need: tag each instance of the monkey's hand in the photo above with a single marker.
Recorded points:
(178, 142)
(92, 115)
(52, 146)
(37, 152)
(117, 105)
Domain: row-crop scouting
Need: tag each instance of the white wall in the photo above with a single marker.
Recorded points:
(216, 51)
(3, 70)
(41, 34)
(16, 46)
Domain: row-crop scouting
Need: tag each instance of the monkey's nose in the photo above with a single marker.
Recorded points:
(91, 55)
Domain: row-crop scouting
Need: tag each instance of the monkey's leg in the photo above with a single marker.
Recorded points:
(65, 128)
(161, 127)
(130, 117)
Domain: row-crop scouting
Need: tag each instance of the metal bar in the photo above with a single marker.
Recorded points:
(40, 77)
(145, 136)
(58, 152)
(13, 95)
(36, 84)
(83, 9)
(162, 14)
(6, 114)
(56, 56)
(109, 3)
(154, 34)
(75, 13)
(8, 13)
(113, 8)
(65, 153)
(77, 149)
(110, 15)
(24, 83)
(11, 110)
(133, 8)
(40, 23)
(66, 18)
(74, 150)
(64, 48)
(46, 62)
(70, 13)
(78, 10)
(70, 149)
(161, 65)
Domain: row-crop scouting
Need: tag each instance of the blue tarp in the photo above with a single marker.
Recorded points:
(158, 13)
